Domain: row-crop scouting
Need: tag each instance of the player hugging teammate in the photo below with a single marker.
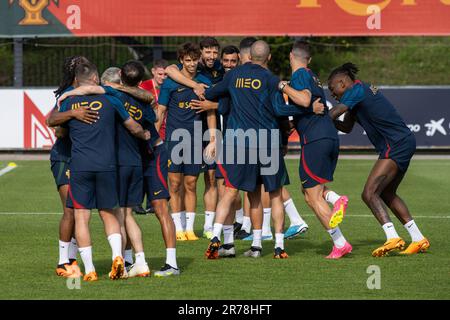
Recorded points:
(117, 141)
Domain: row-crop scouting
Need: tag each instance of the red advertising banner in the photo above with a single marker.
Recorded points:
(20, 18)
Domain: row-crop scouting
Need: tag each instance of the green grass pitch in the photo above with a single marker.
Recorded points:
(29, 247)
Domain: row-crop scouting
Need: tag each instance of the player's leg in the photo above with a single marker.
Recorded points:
(67, 264)
(210, 201)
(239, 213)
(82, 197)
(267, 215)
(227, 249)
(140, 267)
(297, 224)
(244, 233)
(278, 222)
(177, 202)
(401, 211)
(190, 201)
(82, 234)
(339, 203)
(106, 195)
(256, 216)
(223, 209)
(317, 166)
(381, 175)
(112, 231)
(168, 231)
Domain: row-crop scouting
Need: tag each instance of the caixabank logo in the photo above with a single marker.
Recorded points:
(33, 11)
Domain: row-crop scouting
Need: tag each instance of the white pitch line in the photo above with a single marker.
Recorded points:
(11, 166)
(202, 214)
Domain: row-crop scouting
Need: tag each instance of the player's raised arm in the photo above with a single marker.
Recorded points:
(81, 91)
(174, 73)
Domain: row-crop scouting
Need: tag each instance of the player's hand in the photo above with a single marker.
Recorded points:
(210, 150)
(85, 114)
(318, 107)
(199, 90)
(147, 135)
(202, 105)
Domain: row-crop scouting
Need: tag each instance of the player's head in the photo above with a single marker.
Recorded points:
(210, 51)
(300, 53)
(132, 73)
(159, 71)
(69, 66)
(260, 52)
(189, 56)
(110, 75)
(244, 48)
(86, 74)
(341, 79)
(230, 57)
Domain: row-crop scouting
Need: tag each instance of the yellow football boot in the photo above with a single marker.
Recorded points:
(416, 247)
(388, 246)
(117, 268)
(190, 236)
(181, 236)
(91, 276)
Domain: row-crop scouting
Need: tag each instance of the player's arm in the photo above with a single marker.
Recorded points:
(300, 97)
(220, 89)
(81, 91)
(282, 109)
(211, 119)
(174, 73)
(203, 105)
(160, 115)
(346, 125)
(138, 93)
(84, 114)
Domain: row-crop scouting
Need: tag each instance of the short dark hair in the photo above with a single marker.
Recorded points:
(349, 69)
(209, 42)
(160, 63)
(229, 50)
(189, 49)
(302, 49)
(247, 43)
(132, 72)
(84, 71)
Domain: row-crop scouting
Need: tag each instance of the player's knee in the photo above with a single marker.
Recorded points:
(367, 195)
(190, 185)
(175, 186)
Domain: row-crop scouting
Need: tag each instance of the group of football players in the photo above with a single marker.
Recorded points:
(120, 138)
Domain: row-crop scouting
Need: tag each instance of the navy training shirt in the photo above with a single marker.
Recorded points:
(255, 100)
(129, 146)
(93, 145)
(177, 98)
(61, 148)
(310, 126)
(378, 117)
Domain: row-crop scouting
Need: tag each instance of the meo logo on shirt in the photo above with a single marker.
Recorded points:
(94, 105)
